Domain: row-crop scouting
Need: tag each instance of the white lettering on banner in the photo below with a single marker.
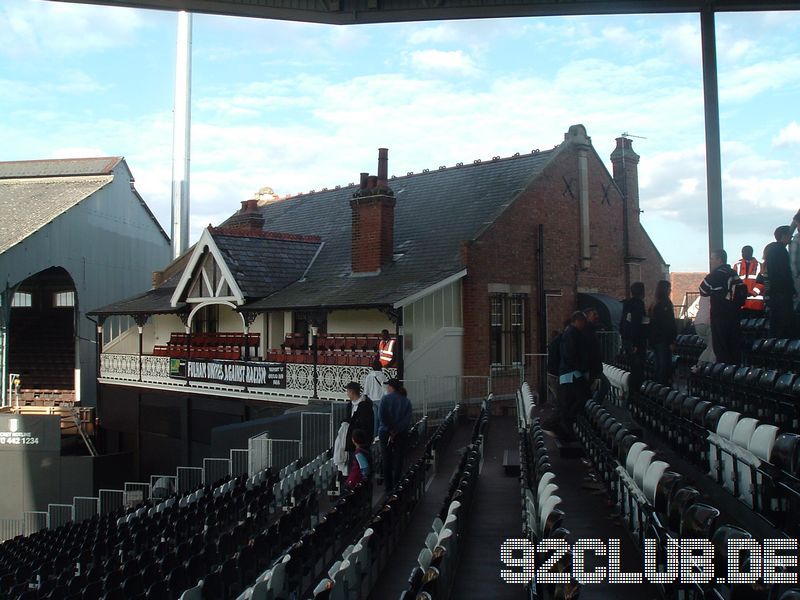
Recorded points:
(17, 438)
(237, 373)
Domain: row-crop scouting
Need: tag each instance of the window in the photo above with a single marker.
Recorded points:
(498, 318)
(206, 319)
(64, 299)
(508, 328)
(22, 300)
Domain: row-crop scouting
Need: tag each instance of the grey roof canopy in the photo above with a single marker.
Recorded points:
(436, 212)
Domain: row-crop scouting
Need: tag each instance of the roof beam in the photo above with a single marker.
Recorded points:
(347, 12)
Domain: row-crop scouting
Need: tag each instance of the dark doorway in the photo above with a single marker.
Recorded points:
(42, 337)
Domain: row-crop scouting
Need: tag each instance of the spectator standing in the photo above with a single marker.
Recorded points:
(794, 254)
(633, 329)
(727, 294)
(781, 285)
(361, 461)
(599, 384)
(361, 416)
(573, 380)
(375, 387)
(702, 326)
(394, 423)
(663, 331)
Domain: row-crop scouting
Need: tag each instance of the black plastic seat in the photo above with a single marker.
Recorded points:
(786, 453)
(698, 521)
(683, 497)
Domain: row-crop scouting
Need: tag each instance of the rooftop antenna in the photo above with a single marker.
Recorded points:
(181, 129)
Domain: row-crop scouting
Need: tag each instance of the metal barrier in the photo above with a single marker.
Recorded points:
(189, 479)
(215, 469)
(315, 433)
(239, 462)
(111, 500)
(136, 493)
(10, 528)
(339, 412)
(34, 521)
(283, 452)
(162, 486)
(59, 514)
(258, 453)
(84, 507)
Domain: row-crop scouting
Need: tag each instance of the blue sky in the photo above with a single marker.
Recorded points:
(301, 106)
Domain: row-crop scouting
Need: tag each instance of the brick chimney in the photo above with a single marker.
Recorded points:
(626, 173)
(249, 217)
(372, 245)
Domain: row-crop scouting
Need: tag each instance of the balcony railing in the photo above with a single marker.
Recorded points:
(253, 379)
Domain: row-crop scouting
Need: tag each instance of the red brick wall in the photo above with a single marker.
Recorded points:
(506, 252)
(373, 232)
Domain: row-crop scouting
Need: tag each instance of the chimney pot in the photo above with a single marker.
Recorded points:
(363, 180)
(383, 167)
(244, 205)
(372, 182)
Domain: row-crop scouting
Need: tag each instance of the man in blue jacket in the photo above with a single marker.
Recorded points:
(394, 417)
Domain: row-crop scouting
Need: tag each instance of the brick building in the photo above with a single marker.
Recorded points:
(469, 267)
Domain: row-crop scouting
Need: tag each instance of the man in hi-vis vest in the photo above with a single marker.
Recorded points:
(748, 270)
(386, 349)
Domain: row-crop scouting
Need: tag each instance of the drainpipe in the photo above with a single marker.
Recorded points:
(583, 175)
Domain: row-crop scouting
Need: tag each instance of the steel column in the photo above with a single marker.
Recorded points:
(713, 151)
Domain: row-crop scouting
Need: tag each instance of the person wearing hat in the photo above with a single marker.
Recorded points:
(394, 418)
(361, 415)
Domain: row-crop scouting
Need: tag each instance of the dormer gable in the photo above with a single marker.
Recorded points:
(207, 277)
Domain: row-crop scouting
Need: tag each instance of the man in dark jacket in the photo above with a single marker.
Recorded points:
(573, 389)
(633, 329)
(727, 293)
(600, 385)
(394, 421)
(781, 284)
(361, 417)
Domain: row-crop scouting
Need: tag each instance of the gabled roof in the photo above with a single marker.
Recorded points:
(264, 263)
(308, 264)
(436, 212)
(27, 205)
(58, 167)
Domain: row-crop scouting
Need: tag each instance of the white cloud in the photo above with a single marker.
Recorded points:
(35, 26)
(788, 136)
(438, 34)
(443, 61)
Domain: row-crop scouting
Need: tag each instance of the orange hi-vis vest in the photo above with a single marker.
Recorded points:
(749, 271)
(386, 351)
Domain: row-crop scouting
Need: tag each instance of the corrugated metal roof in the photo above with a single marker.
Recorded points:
(58, 167)
(27, 205)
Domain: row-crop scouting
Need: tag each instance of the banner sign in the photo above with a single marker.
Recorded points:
(30, 432)
(250, 374)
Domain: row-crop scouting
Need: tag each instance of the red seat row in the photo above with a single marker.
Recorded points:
(344, 342)
(354, 359)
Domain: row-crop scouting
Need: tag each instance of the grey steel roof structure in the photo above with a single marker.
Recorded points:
(344, 12)
(27, 205)
(58, 167)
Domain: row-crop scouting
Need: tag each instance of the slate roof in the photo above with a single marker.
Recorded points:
(27, 205)
(435, 213)
(264, 265)
(59, 167)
